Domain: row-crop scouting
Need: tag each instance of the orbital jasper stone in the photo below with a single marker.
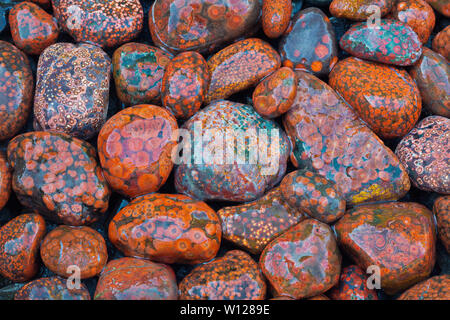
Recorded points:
(441, 43)
(397, 237)
(441, 210)
(136, 279)
(235, 276)
(434, 288)
(167, 228)
(138, 70)
(19, 247)
(105, 23)
(185, 84)
(72, 89)
(16, 90)
(425, 154)
(276, 15)
(359, 10)
(201, 25)
(5, 180)
(385, 97)
(134, 148)
(352, 286)
(329, 138)
(275, 94)
(52, 288)
(240, 66)
(253, 225)
(67, 246)
(303, 262)
(318, 54)
(442, 6)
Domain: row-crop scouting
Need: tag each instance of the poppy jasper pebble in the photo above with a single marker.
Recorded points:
(442, 6)
(235, 276)
(276, 15)
(303, 262)
(72, 89)
(240, 66)
(397, 237)
(183, 25)
(434, 288)
(5, 180)
(359, 10)
(19, 247)
(318, 54)
(67, 246)
(352, 286)
(167, 228)
(185, 84)
(32, 28)
(441, 43)
(253, 225)
(59, 176)
(274, 95)
(136, 279)
(138, 70)
(441, 210)
(51, 288)
(313, 194)
(105, 23)
(16, 90)
(135, 146)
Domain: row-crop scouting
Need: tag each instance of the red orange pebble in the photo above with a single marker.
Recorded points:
(443, 6)
(67, 248)
(276, 15)
(32, 28)
(19, 247)
(359, 9)
(434, 288)
(169, 228)
(441, 210)
(5, 180)
(52, 288)
(134, 148)
(235, 276)
(185, 84)
(441, 43)
(275, 94)
(352, 286)
(136, 279)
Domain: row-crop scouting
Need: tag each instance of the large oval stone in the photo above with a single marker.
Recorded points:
(52, 288)
(434, 288)
(441, 210)
(276, 15)
(359, 9)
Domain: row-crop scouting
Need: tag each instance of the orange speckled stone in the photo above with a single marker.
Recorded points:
(386, 98)
(352, 286)
(235, 276)
(169, 228)
(276, 15)
(441, 43)
(434, 288)
(32, 28)
(240, 66)
(19, 247)
(136, 279)
(441, 210)
(443, 6)
(358, 9)
(303, 262)
(319, 297)
(52, 288)
(134, 148)
(253, 225)
(185, 84)
(5, 180)
(67, 246)
(275, 94)
(397, 237)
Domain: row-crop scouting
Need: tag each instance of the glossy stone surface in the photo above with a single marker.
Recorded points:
(303, 262)
(67, 246)
(185, 84)
(313, 194)
(330, 139)
(425, 154)
(72, 89)
(359, 9)
(240, 66)
(200, 25)
(318, 54)
(138, 70)
(441, 43)
(235, 276)
(5, 180)
(52, 288)
(274, 95)
(442, 6)
(19, 247)
(352, 286)
(434, 288)
(253, 225)
(16, 90)
(106, 23)
(275, 18)
(391, 43)
(231, 175)
(441, 210)
(59, 176)
(385, 97)
(134, 148)
(32, 28)
(136, 279)
(397, 237)
(167, 228)
(432, 76)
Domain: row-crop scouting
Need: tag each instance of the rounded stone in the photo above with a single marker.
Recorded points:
(441, 210)
(52, 288)
(442, 6)
(435, 288)
(352, 286)
(441, 43)
(5, 180)
(359, 10)
(276, 15)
